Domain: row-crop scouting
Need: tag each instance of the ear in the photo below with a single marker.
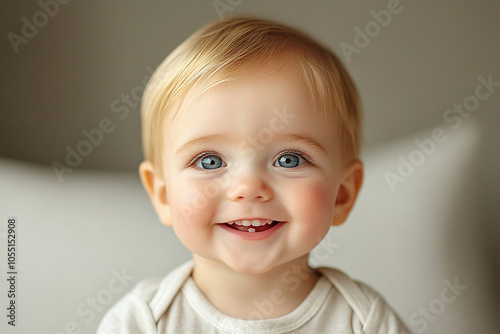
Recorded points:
(155, 187)
(348, 191)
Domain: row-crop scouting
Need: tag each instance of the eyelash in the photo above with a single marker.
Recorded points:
(308, 160)
(192, 162)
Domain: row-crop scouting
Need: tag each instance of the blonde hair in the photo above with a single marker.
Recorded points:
(222, 51)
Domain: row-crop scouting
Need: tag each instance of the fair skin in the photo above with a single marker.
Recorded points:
(252, 151)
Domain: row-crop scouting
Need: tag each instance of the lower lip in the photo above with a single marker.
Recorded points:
(254, 236)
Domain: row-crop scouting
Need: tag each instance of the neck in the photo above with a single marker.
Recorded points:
(255, 296)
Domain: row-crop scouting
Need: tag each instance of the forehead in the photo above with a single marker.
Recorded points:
(247, 106)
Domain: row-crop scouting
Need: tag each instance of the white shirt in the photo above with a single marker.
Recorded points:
(336, 304)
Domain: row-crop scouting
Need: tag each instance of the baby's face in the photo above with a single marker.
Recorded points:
(253, 152)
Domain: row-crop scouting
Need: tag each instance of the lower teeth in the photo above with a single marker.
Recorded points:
(251, 230)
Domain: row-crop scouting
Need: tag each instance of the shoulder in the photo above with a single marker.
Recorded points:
(132, 313)
(356, 291)
(139, 310)
(374, 313)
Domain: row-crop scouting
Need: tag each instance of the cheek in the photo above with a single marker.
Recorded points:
(191, 203)
(311, 205)
(314, 202)
(188, 208)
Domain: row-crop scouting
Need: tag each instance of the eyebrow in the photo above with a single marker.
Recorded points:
(305, 140)
(203, 140)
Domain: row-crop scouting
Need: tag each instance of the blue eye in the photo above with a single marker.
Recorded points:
(289, 161)
(210, 162)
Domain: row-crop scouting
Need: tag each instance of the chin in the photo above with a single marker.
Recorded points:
(250, 267)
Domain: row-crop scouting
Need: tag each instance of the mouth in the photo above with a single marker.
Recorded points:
(252, 225)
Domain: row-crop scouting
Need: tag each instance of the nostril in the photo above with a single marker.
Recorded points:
(251, 191)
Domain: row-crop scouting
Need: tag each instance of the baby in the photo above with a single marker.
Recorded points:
(251, 135)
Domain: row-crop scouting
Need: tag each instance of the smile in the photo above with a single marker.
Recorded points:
(252, 225)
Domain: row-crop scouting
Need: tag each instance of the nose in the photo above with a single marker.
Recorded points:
(249, 188)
